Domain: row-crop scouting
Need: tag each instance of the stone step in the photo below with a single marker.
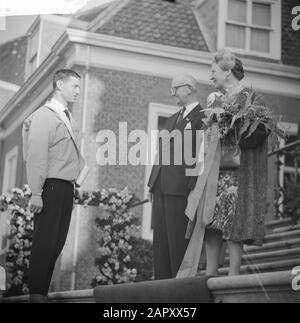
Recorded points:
(269, 256)
(282, 236)
(273, 246)
(270, 226)
(184, 290)
(288, 228)
(273, 287)
(83, 296)
(263, 288)
(265, 267)
(187, 290)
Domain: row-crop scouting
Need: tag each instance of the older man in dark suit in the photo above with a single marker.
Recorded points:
(170, 184)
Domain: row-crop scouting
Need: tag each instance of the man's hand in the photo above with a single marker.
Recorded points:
(36, 204)
(150, 197)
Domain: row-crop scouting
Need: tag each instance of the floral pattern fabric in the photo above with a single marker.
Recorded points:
(226, 203)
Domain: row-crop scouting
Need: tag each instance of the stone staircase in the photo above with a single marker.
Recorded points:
(266, 276)
(266, 272)
(280, 251)
(273, 287)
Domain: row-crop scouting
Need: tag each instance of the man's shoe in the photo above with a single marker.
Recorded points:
(37, 298)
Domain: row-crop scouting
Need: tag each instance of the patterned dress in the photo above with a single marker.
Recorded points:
(226, 199)
(226, 203)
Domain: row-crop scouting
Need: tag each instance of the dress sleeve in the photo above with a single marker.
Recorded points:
(255, 140)
(260, 135)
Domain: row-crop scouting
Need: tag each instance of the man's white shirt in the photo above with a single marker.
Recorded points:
(189, 108)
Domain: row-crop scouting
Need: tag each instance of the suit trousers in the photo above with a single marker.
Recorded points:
(169, 229)
(51, 227)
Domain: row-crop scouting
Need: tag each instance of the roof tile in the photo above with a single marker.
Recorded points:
(157, 21)
(12, 58)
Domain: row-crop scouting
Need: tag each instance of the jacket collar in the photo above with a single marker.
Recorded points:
(189, 117)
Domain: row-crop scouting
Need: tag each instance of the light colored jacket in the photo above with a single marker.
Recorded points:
(51, 146)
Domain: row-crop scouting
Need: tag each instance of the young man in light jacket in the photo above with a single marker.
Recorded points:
(53, 163)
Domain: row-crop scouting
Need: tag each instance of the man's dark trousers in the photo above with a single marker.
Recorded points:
(50, 232)
(170, 223)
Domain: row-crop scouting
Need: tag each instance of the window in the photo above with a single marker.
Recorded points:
(251, 27)
(158, 114)
(9, 182)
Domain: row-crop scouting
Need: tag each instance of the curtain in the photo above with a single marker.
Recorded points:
(237, 10)
(235, 36)
(261, 14)
(260, 40)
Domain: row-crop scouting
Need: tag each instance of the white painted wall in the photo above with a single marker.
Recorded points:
(16, 26)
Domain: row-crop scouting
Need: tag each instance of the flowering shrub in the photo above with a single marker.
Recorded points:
(119, 258)
(21, 231)
(123, 255)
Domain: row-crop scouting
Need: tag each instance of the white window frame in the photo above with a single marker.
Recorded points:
(33, 57)
(275, 29)
(9, 181)
(2, 23)
(156, 110)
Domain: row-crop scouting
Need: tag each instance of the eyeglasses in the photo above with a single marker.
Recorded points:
(175, 88)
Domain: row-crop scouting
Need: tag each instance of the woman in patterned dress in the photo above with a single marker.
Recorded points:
(241, 194)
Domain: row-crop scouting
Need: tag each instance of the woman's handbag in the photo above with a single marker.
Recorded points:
(230, 157)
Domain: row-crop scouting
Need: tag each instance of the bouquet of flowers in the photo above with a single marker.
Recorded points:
(236, 122)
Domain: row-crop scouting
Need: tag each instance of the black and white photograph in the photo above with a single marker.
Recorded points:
(150, 154)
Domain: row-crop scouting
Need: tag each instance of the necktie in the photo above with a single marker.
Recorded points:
(67, 112)
(180, 118)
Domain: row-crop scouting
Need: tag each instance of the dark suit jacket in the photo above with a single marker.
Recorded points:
(173, 179)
